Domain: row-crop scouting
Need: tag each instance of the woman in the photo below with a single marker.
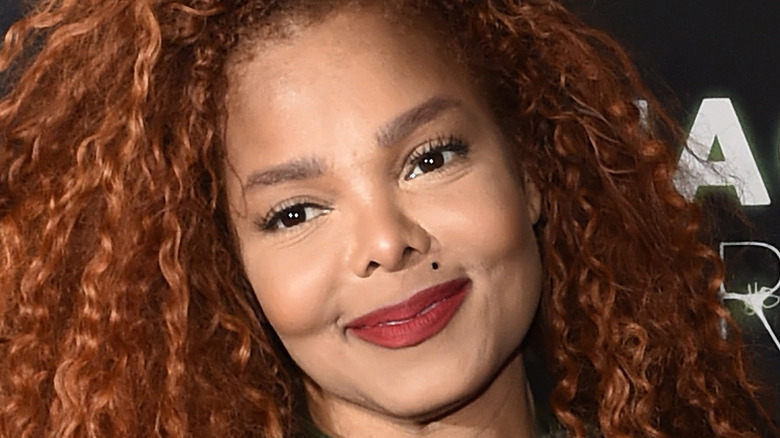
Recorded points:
(238, 218)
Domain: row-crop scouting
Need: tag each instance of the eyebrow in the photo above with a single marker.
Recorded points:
(408, 121)
(391, 133)
(296, 170)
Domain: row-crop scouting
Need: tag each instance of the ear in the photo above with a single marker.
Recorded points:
(533, 199)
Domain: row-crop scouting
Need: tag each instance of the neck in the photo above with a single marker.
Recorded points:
(503, 410)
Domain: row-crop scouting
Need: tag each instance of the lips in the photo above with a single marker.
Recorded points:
(415, 320)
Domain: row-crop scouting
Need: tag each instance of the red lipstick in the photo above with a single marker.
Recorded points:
(415, 320)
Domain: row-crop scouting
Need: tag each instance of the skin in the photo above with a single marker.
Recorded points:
(324, 106)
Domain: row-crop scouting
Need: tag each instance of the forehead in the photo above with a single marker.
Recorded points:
(344, 75)
(309, 48)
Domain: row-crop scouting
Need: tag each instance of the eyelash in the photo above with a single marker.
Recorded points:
(273, 219)
(439, 145)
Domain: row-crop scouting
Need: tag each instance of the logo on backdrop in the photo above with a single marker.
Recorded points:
(757, 298)
(718, 154)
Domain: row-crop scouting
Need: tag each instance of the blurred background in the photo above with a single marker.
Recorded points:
(715, 63)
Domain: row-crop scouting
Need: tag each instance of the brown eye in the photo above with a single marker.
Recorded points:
(431, 161)
(435, 155)
(293, 216)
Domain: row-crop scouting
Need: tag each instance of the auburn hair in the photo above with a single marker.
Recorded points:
(124, 307)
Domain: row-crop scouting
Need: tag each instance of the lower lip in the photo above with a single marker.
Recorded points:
(417, 329)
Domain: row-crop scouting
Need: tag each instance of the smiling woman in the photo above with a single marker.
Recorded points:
(274, 218)
(404, 160)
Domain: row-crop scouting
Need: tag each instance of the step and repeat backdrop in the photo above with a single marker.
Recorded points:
(720, 60)
(716, 63)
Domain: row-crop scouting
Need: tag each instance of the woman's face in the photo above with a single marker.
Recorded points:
(382, 225)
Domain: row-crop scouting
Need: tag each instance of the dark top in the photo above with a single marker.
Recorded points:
(309, 430)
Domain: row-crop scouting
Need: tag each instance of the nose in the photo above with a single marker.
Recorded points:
(386, 238)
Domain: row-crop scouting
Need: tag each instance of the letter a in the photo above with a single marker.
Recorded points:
(717, 123)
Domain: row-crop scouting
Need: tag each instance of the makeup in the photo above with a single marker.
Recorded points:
(414, 320)
(366, 169)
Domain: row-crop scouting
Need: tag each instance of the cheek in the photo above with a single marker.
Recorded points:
(487, 217)
(292, 287)
(493, 236)
(509, 236)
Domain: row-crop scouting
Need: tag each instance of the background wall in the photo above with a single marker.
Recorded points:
(721, 59)
(9, 10)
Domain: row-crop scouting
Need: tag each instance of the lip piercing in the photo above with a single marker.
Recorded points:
(435, 266)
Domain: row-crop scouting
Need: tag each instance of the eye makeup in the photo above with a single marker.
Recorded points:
(289, 214)
(431, 156)
(434, 155)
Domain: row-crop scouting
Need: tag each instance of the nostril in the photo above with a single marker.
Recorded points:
(372, 265)
(393, 243)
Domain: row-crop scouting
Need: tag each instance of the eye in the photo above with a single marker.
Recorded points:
(285, 217)
(435, 155)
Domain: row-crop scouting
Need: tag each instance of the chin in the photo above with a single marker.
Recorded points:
(424, 399)
(431, 407)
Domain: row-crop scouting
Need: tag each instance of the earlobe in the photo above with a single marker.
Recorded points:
(533, 199)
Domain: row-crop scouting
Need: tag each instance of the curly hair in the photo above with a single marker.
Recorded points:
(125, 309)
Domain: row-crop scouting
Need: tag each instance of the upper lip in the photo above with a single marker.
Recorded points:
(410, 307)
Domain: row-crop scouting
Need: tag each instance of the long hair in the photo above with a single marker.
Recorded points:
(125, 310)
